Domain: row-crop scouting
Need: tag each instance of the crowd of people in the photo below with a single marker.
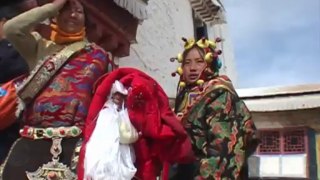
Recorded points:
(74, 118)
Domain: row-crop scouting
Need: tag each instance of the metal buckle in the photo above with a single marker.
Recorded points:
(54, 169)
(38, 133)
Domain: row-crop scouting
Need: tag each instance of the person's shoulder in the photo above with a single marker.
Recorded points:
(221, 83)
(95, 46)
(98, 49)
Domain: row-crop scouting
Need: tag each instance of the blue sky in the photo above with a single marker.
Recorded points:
(276, 42)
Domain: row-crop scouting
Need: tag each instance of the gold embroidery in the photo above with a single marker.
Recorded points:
(210, 86)
(40, 75)
(75, 156)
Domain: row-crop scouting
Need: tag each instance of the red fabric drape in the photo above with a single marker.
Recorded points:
(163, 138)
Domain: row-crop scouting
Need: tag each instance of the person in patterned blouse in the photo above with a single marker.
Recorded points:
(56, 95)
(218, 122)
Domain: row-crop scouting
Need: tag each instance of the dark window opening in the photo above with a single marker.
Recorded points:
(270, 142)
(294, 141)
(200, 28)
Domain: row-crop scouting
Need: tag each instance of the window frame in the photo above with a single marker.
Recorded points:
(282, 132)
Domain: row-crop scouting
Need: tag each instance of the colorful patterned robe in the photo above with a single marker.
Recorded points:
(221, 130)
(66, 98)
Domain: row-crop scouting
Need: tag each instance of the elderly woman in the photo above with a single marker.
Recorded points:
(55, 97)
(217, 121)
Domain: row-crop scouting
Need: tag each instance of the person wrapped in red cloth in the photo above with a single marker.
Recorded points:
(162, 139)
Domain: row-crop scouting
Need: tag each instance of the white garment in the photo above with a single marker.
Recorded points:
(106, 158)
(117, 86)
(128, 134)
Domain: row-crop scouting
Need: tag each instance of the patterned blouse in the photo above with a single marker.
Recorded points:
(66, 98)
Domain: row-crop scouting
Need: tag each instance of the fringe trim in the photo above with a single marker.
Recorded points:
(137, 8)
(32, 74)
(20, 107)
(20, 103)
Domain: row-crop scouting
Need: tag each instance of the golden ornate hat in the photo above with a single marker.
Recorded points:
(211, 57)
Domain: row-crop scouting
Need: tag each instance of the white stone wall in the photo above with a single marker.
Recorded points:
(159, 39)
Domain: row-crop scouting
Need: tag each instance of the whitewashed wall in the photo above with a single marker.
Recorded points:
(159, 38)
